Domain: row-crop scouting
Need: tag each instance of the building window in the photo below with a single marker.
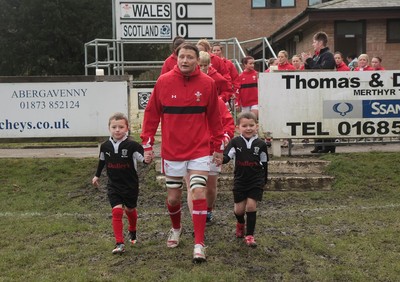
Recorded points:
(315, 2)
(272, 3)
(393, 27)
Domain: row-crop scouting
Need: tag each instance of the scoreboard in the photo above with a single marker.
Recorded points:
(163, 20)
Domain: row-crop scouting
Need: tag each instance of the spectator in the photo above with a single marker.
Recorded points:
(322, 59)
(363, 63)
(340, 65)
(297, 62)
(272, 62)
(353, 61)
(283, 61)
(376, 63)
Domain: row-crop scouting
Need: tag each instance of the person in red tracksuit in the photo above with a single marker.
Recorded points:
(171, 61)
(228, 125)
(185, 100)
(223, 86)
(233, 73)
(248, 92)
(216, 62)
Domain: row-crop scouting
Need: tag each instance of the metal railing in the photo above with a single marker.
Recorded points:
(109, 54)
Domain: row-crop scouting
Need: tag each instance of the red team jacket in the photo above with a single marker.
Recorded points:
(224, 89)
(169, 63)
(188, 109)
(248, 92)
(228, 123)
(342, 67)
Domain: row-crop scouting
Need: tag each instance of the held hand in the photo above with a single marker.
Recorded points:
(226, 141)
(148, 156)
(95, 181)
(217, 158)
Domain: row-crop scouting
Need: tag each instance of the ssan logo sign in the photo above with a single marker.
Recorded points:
(361, 109)
(381, 108)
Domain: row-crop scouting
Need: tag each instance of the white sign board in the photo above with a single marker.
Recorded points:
(330, 104)
(165, 19)
(60, 109)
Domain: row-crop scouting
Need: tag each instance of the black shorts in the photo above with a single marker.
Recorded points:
(128, 198)
(253, 193)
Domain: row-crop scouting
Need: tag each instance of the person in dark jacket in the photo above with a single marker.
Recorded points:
(322, 59)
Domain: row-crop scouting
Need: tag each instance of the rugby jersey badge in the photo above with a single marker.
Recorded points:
(198, 95)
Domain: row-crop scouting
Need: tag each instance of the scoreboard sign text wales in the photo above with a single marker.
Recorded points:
(163, 20)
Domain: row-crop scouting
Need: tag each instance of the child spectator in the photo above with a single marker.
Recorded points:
(119, 154)
(250, 175)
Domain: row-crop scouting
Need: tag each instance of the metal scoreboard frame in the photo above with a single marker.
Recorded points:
(163, 20)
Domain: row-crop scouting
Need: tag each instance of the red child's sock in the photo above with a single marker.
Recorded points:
(175, 215)
(199, 217)
(117, 214)
(132, 219)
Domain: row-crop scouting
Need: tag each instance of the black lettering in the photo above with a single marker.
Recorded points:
(308, 128)
(288, 78)
(293, 126)
(396, 79)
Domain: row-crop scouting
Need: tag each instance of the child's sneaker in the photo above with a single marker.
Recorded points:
(239, 230)
(119, 249)
(210, 218)
(173, 238)
(132, 237)
(249, 240)
(199, 253)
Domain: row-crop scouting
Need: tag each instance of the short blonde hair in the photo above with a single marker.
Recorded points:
(365, 56)
(205, 57)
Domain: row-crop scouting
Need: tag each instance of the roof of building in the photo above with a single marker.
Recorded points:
(340, 10)
(356, 4)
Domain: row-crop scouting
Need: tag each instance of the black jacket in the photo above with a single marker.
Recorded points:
(324, 60)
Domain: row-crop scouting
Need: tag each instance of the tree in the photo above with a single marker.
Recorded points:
(47, 37)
